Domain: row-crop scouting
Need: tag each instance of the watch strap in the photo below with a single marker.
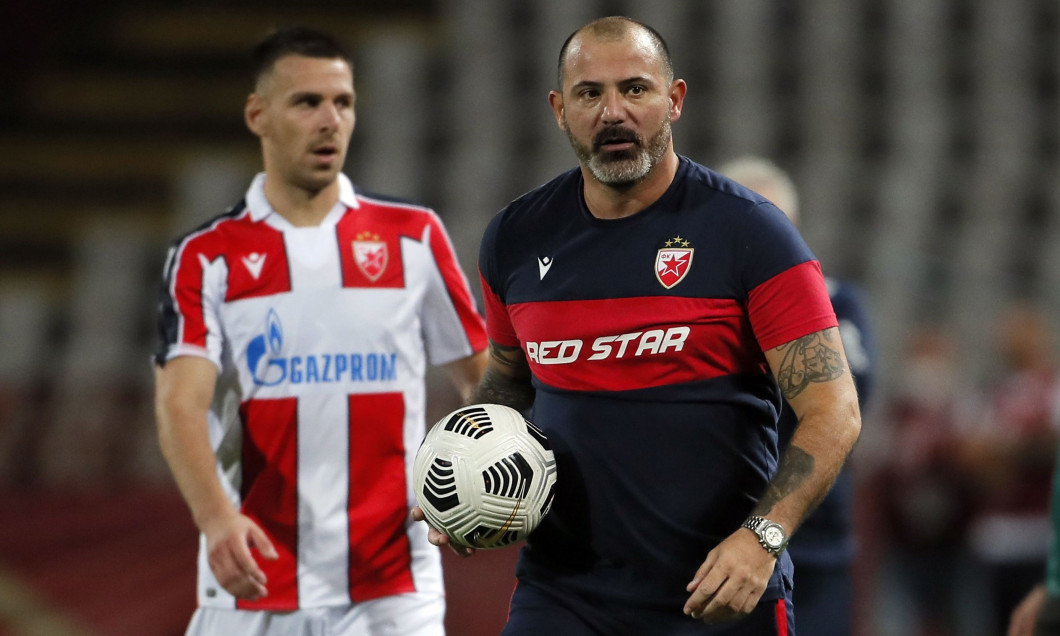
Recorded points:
(752, 523)
(757, 525)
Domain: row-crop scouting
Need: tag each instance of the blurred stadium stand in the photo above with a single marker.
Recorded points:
(924, 135)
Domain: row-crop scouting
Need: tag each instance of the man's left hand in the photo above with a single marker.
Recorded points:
(732, 579)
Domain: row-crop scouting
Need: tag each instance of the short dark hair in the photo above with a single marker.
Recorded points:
(615, 26)
(294, 40)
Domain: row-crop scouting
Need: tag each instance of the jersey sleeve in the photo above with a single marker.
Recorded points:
(787, 297)
(189, 301)
(453, 327)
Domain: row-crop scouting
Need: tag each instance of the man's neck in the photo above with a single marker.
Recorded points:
(608, 202)
(301, 207)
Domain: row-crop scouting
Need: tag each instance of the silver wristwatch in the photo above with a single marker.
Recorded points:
(770, 534)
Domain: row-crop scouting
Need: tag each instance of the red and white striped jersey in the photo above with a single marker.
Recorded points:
(322, 336)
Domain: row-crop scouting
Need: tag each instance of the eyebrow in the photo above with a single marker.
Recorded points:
(640, 79)
(294, 97)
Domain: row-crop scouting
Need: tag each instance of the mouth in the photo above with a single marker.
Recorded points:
(326, 153)
(616, 140)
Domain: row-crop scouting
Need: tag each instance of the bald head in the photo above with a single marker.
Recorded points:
(613, 29)
(767, 179)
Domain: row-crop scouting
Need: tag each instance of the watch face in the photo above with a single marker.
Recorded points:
(774, 536)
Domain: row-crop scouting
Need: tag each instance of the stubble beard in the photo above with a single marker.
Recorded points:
(314, 179)
(623, 169)
(313, 182)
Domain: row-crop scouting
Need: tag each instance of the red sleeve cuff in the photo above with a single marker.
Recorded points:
(790, 305)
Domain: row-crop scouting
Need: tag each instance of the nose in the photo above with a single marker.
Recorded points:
(329, 116)
(613, 107)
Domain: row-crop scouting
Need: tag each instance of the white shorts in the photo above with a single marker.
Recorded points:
(401, 615)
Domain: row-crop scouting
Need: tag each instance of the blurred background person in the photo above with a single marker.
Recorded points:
(1010, 455)
(923, 496)
(823, 549)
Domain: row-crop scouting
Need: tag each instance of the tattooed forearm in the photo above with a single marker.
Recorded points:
(812, 358)
(510, 387)
(496, 388)
(795, 468)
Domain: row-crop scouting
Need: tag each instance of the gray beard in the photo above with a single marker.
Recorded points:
(621, 170)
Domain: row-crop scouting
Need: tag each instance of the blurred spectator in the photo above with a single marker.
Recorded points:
(1011, 454)
(924, 495)
(824, 547)
(25, 316)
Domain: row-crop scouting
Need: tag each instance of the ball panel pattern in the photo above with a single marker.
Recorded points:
(509, 477)
(537, 434)
(440, 485)
(472, 422)
(486, 537)
(548, 499)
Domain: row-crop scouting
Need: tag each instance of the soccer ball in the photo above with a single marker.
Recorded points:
(485, 476)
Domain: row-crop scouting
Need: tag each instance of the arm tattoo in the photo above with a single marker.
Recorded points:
(509, 357)
(812, 358)
(510, 389)
(795, 468)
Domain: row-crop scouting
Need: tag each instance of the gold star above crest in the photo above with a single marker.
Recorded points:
(677, 240)
(367, 236)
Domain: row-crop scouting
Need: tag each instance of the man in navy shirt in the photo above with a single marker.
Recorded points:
(823, 552)
(652, 314)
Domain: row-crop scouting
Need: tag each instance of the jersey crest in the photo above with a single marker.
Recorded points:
(370, 254)
(673, 262)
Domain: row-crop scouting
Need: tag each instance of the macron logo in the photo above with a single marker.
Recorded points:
(543, 265)
(254, 263)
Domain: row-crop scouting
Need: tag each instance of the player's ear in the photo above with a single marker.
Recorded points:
(254, 114)
(555, 99)
(678, 88)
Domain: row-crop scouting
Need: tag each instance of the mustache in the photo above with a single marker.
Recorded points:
(615, 134)
(326, 140)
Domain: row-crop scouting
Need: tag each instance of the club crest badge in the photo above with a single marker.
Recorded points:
(673, 262)
(370, 254)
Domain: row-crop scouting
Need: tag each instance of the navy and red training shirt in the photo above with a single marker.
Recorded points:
(645, 337)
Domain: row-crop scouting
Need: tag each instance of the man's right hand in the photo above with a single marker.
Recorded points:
(438, 538)
(228, 543)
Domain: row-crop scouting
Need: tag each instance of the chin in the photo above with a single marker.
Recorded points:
(320, 179)
(621, 175)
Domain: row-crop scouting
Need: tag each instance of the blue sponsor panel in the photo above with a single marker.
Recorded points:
(268, 367)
